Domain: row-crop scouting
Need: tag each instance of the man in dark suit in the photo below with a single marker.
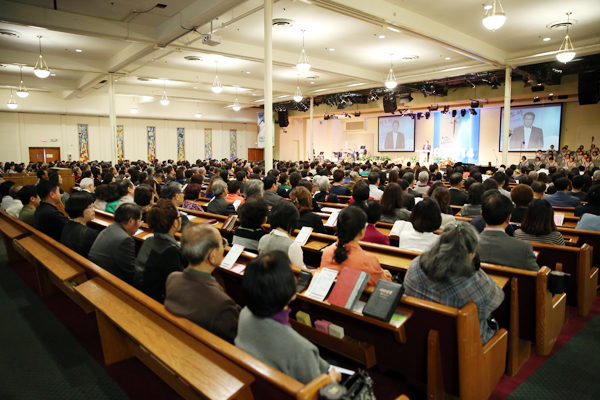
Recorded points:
(194, 293)
(47, 218)
(218, 205)
(114, 249)
(457, 197)
(495, 246)
(527, 136)
(394, 140)
(408, 200)
(561, 198)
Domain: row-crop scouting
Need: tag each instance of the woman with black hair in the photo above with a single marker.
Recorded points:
(112, 197)
(264, 330)
(538, 224)
(76, 235)
(284, 216)
(249, 233)
(351, 228)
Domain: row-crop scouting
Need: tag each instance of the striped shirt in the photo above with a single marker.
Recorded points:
(554, 237)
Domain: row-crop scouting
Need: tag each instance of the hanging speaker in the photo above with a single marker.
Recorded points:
(389, 104)
(589, 91)
(282, 116)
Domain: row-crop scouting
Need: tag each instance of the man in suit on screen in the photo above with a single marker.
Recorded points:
(527, 136)
(394, 140)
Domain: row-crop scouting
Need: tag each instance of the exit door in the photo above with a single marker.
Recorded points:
(44, 154)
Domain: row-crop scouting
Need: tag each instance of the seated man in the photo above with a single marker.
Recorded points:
(114, 249)
(457, 197)
(337, 188)
(270, 193)
(47, 218)
(561, 198)
(194, 293)
(218, 205)
(15, 208)
(495, 246)
(30, 199)
(374, 190)
(172, 191)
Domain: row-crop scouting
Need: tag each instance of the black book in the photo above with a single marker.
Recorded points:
(384, 300)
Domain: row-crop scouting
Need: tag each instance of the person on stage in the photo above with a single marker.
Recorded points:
(427, 147)
(394, 140)
(527, 136)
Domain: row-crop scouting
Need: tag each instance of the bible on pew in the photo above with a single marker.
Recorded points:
(348, 288)
(384, 300)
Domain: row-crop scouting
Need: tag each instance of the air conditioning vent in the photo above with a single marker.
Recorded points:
(282, 23)
(144, 79)
(409, 58)
(9, 33)
(193, 58)
(561, 24)
(355, 125)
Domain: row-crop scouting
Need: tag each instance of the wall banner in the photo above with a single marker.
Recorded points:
(120, 152)
(180, 144)
(207, 144)
(84, 155)
(233, 144)
(151, 143)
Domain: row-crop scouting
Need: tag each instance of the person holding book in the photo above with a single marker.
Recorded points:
(347, 253)
(264, 330)
(538, 224)
(449, 274)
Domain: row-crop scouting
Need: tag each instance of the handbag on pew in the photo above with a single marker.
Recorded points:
(357, 387)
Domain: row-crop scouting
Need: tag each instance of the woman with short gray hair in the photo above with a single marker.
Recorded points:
(449, 274)
(323, 194)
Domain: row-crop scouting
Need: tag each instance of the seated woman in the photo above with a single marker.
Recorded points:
(234, 192)
(108, 178)
(323, 195)
(75, 234)
(391, 203)
(301, 198)
(192, 192)
(264, 330)
(373, 210)
(473, 208)
(100, 192)
(284, 182)
(521, 195)
(593, 202)
(111, 197)
(250, 231)
(180, 176)
(209, 193)
(417, 235)
(143, 196)
(347, 253)
(538, 224)
(160, 254)
(360, 193)
(442, 196)
(449, 274)
(283, 222)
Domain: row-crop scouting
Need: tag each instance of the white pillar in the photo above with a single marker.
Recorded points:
(506, 122)
(312, 129)
(112, 118)
(268, 85)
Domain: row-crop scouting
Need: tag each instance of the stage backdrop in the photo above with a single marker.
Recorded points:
(543, 121)
(456, 138)
(405, 138)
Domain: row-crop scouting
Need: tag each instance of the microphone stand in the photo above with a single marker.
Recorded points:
(520, 151)
(495, 155)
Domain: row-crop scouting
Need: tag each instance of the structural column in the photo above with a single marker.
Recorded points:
(268, 85)
(112, 118)
(506, 121)
(312, 129)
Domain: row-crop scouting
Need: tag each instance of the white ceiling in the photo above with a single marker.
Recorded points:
(153, 45)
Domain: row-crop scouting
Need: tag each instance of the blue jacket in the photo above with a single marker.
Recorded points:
(561, 199)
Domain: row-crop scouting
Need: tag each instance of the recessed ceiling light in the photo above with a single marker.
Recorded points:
(448, 58)
(52, 74)
(382, 36)
(195, 87)
(546, 39)
(331, 49)
(253, 94)
(79, 50)
(312, 83)
(551, 94)
(488, 7)
(247, 72)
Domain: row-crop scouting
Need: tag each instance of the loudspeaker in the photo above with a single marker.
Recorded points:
(589, 92)
(389, 104)
(282, 116)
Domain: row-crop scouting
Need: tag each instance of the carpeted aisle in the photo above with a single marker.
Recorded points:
(571, 373)
(39, 358)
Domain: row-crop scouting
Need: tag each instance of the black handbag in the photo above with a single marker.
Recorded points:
(357, 387)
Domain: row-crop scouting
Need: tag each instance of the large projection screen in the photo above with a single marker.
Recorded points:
(533, 127)
(396, 134)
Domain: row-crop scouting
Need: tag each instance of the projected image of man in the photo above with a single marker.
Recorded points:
(531, 135)
(394, 140)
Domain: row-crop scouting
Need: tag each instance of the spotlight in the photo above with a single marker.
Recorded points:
(412, 116)
(453, 113)
(473, 112)
(527, 79)
(433, 107)
(536, 100)
(494, 82)
(550, 98)
(474, 103)
(357, 114)
(419, 115)
(538, 88)
(406, 98)
(463, 113)
(427, 115)
(446, 109)
(468, 82)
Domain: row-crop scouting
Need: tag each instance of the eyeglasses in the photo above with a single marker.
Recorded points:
(225, 242)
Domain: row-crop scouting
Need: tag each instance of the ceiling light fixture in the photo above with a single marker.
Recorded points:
(12, 104)
(390, 81)
(448, 58)
(546, 39)
(133, 108)
(79, 50)
(236, 103)
(198, 114)
(566, 52)
(164, 100)
(331, 49)
(494, 19)
(216, 86)
(22, 91)
(41, 68)
(303, 65)
(298, 95)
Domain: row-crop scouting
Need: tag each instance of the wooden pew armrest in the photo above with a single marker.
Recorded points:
(310, 391)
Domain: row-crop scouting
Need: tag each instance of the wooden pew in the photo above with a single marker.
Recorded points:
(439, 347)
(12, 229)
(196, 363)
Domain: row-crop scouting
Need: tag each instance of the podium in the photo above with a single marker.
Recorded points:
(422, 156)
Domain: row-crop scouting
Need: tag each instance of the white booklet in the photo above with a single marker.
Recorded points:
(332, 220)
(232, 256)
(398, 227)
(236, 204)
(303, 235)
(321, 283)
(559, 219)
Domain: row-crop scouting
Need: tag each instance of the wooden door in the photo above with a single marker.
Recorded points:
(260, 155)
(36, 154)
(251, 154)
(52, 154)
